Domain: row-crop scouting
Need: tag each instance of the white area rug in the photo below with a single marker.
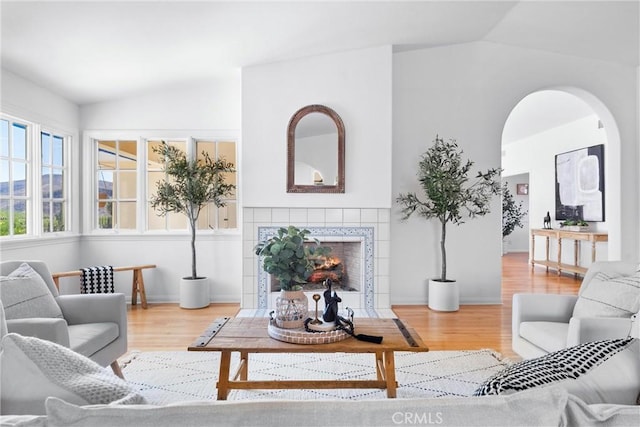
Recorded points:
(173, 376)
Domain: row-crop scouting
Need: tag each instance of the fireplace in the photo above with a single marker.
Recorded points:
(363, 233)
(343, 266)
(347, 239)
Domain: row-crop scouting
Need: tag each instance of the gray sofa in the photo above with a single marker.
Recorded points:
(537, 407)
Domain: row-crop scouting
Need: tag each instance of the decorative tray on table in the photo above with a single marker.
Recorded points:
(323, 334)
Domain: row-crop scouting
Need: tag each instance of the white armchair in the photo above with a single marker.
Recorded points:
(94, 325)
(543, 323)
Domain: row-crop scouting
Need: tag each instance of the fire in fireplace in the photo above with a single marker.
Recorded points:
(343, 266)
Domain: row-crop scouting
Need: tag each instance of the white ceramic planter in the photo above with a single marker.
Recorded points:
(194, 293)
(444, 296)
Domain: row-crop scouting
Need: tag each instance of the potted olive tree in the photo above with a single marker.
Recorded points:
(291, 262)
(449, 196)
(189, 186)
(512, 214)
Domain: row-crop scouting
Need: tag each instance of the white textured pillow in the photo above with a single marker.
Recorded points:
(25, 295)
(32, 369)
(3, 321)
(596, 372)
(609, 295)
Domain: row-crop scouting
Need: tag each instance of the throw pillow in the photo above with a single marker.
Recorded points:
(609, 295)
(25, 295)
(596, 372)
(3, 321)
(33, 369)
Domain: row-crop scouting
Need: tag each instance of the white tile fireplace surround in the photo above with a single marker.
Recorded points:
(369, 227)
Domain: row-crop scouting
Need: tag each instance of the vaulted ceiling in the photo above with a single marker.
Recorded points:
(88, 51)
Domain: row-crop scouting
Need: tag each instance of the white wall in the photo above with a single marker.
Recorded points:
(210, 104)
(357, 85)
(467, 91)
(25, 100)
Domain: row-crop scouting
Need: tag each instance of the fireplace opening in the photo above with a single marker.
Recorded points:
(343, 266)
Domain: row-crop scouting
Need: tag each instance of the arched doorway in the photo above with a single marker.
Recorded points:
(550, 122)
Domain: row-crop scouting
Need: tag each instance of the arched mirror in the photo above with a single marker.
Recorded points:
(315, 151)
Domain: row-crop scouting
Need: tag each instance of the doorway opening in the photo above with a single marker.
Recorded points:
(542, 126)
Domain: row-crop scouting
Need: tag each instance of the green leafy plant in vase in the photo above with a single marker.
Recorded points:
(291, 262)
(449, 196)
(190, 185)
(575, 224)
(512, 213)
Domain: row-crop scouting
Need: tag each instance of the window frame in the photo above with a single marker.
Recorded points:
(66, 180)
(117, 171)
(33, 161)
(142, 137)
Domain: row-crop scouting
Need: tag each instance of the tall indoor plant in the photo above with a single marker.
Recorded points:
(289, 260)
(449, 196)
(512, 214)
(189, 186)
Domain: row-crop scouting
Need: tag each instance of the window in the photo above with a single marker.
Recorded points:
(54, 202)
(34, 197)
(226, 216)
(127, 174)
(211, 217)
(14, 178)
(116, 184)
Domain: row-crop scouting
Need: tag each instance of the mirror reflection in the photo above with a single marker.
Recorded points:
(315, 151)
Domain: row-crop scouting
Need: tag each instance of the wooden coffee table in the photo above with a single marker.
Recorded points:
(249, 335)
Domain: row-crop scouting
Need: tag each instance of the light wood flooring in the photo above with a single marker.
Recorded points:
(168, 327)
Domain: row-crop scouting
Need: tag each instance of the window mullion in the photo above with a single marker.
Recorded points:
(34, 159)
(141, 178)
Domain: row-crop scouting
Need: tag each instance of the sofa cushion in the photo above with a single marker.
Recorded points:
(549, 336)
(529, 408)
(88, 338)
(596, 372)
(34, 369)
(609, 295)
(24, 295)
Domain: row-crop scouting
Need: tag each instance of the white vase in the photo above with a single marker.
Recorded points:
(444, 296)
(292, 309)
(194, 293)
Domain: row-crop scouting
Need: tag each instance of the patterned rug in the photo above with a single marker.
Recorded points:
(174, 376)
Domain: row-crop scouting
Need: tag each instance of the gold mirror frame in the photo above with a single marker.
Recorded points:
(292, 187)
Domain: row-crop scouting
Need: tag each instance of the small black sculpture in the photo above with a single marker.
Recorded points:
(331, 301)
(547, 221)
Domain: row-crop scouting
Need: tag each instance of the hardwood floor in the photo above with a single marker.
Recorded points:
(168, 327)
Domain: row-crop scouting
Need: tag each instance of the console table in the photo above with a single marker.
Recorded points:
(576, 236)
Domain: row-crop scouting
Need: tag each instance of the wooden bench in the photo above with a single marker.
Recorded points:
(137, 285)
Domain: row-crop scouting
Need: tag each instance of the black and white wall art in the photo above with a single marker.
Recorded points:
(580, 184)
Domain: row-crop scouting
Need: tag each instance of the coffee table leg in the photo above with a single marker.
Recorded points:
(223, 376)
(244, 363)
(390, 373)
(380, 365)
